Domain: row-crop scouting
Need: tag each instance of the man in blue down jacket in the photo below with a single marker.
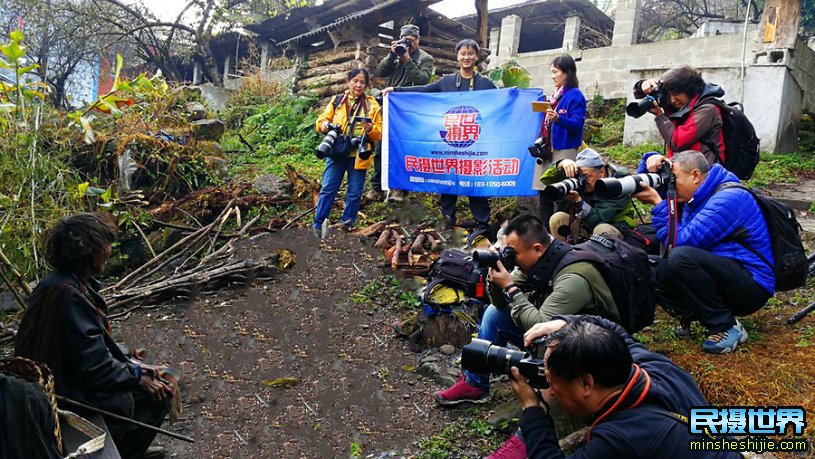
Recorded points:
(633, 399)
(710, 276)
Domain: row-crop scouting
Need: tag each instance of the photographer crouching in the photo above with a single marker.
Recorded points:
(526, 296)
(633, 399)
(587, 213)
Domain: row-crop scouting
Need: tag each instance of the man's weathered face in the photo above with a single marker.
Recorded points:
(592, 176)
(414, 42)
(686, 182)
(569, 395)
(526, 255)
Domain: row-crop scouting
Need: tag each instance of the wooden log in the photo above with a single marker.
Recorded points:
(441, 53)
(445, 66)
(324, 91)
(437, 42)
(331, 57)
(326, 79)
(328, 69)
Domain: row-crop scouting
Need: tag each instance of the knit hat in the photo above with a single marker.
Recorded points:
(589, 158)
(409, 29)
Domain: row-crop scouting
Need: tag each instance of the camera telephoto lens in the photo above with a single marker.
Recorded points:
(483, 357)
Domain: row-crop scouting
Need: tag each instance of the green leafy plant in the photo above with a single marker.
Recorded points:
(511, 74)
(15, 97)
(355, 449)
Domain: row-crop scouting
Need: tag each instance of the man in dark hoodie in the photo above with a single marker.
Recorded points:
(634, 400)
(684, 121)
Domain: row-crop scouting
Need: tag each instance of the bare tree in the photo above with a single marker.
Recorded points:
(60, 36)
(668, 19)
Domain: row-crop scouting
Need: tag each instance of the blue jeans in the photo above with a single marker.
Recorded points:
(335, 170)
(496, 326)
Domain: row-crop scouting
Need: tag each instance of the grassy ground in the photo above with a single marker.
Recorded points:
(773, 368)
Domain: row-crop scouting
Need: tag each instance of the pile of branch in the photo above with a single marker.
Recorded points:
(175, 272)
(211, 200)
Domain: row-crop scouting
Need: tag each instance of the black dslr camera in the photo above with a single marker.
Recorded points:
(559, 190)
(641, 106)
(481, 356)
(402, 46)
(538, 149)
(490, 259)
(325, 147)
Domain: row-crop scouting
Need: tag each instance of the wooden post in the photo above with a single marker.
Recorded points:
(481, 8)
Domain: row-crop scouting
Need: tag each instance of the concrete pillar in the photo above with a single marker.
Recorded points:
(196, 73)
(226, 67)
(495, 34)
(510, 37)
(264, 58)
(626, 22)
(571, 33)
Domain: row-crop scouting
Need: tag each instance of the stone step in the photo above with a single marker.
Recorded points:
(799, 196)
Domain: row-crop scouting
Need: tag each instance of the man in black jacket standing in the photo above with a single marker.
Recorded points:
(630, 396)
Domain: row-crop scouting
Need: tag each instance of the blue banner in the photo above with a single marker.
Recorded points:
(470, 143)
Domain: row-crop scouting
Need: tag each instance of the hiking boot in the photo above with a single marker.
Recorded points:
(317, 231)
(396, 196)
(462, 392)
(514, 448)
(374, 195)
(726, 341)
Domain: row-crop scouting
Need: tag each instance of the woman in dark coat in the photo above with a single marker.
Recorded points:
(66, 327)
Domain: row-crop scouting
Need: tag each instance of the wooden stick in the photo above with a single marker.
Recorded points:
(298, 217)
(13, 290)
(14, 272)
(125, 419)
(195, 237)
(144, 237)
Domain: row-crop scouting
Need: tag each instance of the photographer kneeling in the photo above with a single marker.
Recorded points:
(529, 295)
(629, 395)
(586, 210)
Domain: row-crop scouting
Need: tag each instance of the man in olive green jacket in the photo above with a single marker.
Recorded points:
(584, 210)
(414, 67)
(531, 294)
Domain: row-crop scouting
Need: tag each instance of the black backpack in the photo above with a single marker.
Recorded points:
(454, 268)
(628, 273)
(741, 146)
(790, 260)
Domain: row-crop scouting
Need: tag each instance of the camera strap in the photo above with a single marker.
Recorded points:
(352, 112)
(673, 217)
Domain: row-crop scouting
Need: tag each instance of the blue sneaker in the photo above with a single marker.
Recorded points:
(726, 341)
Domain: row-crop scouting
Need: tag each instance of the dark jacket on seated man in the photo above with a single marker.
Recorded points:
(65, 327)
(636, 423)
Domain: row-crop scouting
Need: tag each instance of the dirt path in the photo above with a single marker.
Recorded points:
(353, 378)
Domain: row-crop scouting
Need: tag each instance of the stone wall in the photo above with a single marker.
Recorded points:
(774, 87)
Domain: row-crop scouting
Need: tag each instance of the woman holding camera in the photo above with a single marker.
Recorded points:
(684, 120)
(466, 79)
(358, 118)
(564, 120)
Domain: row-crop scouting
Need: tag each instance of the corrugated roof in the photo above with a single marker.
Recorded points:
(382, 13)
